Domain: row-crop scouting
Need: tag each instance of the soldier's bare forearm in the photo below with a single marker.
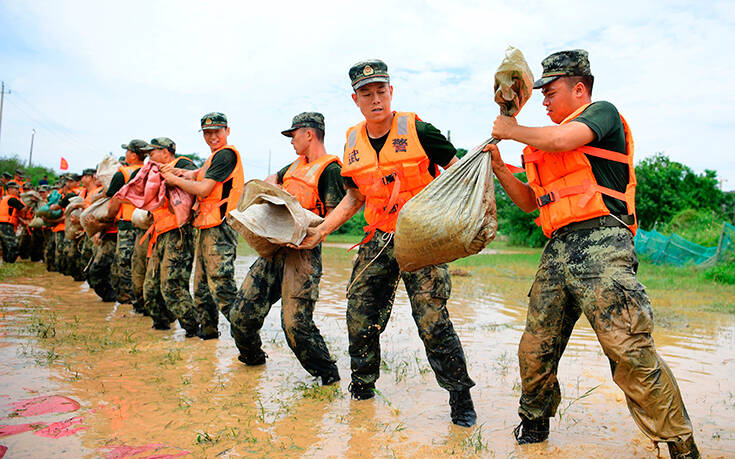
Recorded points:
(347, 207)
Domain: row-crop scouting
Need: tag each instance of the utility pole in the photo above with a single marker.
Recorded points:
(30, 155)
(2, 97)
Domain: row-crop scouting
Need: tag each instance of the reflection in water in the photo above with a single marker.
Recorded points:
(138, 386)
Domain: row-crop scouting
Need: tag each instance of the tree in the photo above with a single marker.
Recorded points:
(513, 222)
(196, 159)
(34, 173)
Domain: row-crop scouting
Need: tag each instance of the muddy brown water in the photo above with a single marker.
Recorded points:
(145, 393)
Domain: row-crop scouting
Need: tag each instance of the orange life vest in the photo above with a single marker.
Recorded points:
(62, 225)
(126, 209)
(390, 179)
(8, 214)
(302, 181)
(164, 220)
(565, 187)
(224, 196)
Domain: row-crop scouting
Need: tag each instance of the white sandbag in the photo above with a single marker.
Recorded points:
(36, 222)
(142, 219)
(72, 226)
(91, 215)
(106, 169)
(453, 217)
(268, 217)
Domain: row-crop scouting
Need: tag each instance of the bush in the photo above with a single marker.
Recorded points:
(354, 225)
(702, 227)
(518, 225)
(723, 273)
(34, 173)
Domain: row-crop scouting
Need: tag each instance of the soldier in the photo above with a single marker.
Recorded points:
(62, 245)
(166, 285)
(135, 153)
(11, 209)
(101, 275)
(26, 233)
(80, 252)
(49, 250)
(4, 179)
(389, 150)
(581, 178)
(39, 235)
(218, 186)
(293, 275)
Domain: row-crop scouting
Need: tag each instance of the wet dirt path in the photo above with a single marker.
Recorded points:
(146, 393)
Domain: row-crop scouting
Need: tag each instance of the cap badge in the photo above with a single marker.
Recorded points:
(208, 121)
(368, 70)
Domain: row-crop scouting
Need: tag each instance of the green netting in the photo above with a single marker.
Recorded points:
(675, 250)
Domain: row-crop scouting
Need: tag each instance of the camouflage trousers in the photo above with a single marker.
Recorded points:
(86, 256)
(124, 264)
(138, 266)
(214, 275)
(61, 248)
(166, 287)
(24, 243)
(73, 255)
(49, 251)
(293, 277)
(594, 272)
(30, 244)
(101, 276)
(374, 280)
(8, 242)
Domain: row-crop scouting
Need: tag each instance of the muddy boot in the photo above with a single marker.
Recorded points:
(330, 378)
(191, 332)
(529, 431)
(685, 449)
(253, 358)
(161, 326)
(208, 332)
(463, 410)
(361, 391)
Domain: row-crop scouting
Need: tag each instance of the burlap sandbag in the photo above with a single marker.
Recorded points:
(455, 215)
(142, 219)
(36, 222)
(106, 169)
(91, 215)
(268, 217)
(72, 226)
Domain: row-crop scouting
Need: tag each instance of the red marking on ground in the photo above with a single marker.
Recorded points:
(3, 449)
(15, 429)
(43, 405)
(61, 429)
(124, 451)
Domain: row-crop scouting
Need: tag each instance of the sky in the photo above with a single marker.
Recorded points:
(90, 76)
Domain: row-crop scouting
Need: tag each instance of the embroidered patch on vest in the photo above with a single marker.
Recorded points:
(400, 145)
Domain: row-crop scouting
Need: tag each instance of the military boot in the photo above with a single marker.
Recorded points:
(208, 332)
(686, 449)
(463, 410)
(253, 358)
(330, 378)
(362, 391)
(531, 431)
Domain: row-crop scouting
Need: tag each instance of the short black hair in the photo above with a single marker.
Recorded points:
(140, 154)
(587, 80)
(319, 133)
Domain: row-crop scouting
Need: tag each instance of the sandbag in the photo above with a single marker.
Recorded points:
(142, 219)
(91, 215)
(106, 169)
(455, 215)
(30, 198)
(72, 226)
(36, 222)
(268, 217)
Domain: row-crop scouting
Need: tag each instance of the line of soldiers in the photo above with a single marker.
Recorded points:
(580, 177)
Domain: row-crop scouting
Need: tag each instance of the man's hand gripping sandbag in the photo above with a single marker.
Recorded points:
(455, 215)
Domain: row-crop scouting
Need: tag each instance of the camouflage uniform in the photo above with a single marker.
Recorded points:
(74, 258)
(593, 271)
(101, 276)
(60, 250)
(9, 242)
(214, 275)
(24, 243)
(37, 244)
(87, 253)
(49, 251)
(166, 287)
(293, 277)
(369, 303)
(138, 270)
(123, 263)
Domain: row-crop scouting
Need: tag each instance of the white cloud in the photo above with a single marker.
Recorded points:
(106, 72)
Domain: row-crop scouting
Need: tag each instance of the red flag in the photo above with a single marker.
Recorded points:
(64, 165)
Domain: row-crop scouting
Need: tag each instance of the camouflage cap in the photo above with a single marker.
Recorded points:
(306, 119)
(7, 176)
(214, 120)
(137, 146)
(43, 188)
(89, 171)
(370, 71)
(574, 62)
(19, 172)
(27, 186)
(164, 142)
(74, 177)
(12, 184)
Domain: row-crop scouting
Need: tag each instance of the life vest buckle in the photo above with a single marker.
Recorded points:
(546, 199)
(388, 179)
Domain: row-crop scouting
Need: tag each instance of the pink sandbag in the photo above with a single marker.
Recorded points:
(147, 191)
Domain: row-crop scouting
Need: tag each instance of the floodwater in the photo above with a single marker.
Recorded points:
(82, 378)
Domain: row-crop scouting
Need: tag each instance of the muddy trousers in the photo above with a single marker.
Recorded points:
(61, 247)
(37, 244)
(124, 263)
(374, 280)
(166, 286)
(593, 272)
(49, 251)
(293, 277)
(8, 242)
(138, 266)
(87, 253)
(214, 275)
(101, 276)
(24, 243)
(73, 253)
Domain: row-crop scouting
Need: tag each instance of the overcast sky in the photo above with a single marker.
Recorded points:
(89, 76)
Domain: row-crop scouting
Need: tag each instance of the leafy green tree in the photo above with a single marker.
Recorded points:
(34, 173)
(516, 224)
(354, 225)
(461, 152)
(196, 159)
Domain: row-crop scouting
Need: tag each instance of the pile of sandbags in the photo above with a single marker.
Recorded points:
(268, 217)
(455, 215)
(91, 216)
